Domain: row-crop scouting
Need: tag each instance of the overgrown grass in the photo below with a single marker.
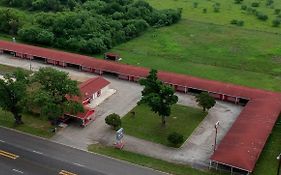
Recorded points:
(157, 164)
(32, 124)
(147, 125)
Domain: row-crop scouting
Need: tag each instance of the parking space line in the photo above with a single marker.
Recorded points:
(78, 164)
(37, 152)
(18, 171)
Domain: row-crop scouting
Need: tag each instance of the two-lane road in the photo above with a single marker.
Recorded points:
(24, 154)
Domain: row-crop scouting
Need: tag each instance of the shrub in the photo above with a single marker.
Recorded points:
(240, 23)
(276, 22)
(237, 22)
(175, 139)
(238, 1)
(269, 2)
(261, 16)
(216, 7)
(195, 4)
(234, 21)
(113, 120)
(277, 11)
(204, 10)
(244, 7)
(255, 4)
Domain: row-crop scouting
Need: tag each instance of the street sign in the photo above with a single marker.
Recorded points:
(119, 138)
(119, 134)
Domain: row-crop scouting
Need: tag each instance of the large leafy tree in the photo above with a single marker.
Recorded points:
(53, 93)
(12, 92)
(205, 101)
(158, 96)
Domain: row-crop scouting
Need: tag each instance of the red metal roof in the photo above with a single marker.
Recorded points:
(92, 85)
(245, 140)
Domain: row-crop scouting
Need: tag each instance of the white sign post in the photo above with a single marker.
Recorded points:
(119, 138)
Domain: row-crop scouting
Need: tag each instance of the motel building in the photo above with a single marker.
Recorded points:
(93, 92)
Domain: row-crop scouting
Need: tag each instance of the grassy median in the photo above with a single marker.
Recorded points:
(150, 162)
(147, 125)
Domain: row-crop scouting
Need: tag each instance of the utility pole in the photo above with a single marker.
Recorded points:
(279, 163)
(216, 134)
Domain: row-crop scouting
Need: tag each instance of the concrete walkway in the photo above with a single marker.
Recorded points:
(195, 151)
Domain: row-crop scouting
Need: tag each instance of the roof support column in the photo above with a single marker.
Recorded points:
(217, 166)
(210, 164)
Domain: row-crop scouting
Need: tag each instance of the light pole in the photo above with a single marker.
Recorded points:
(30, 68)
(216, 128)
(279, 163)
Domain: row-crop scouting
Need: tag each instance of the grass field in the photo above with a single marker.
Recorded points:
(32, 124)
(147, 161)
(198, 46)
(228, 54)
(147, 125)
(228, 12)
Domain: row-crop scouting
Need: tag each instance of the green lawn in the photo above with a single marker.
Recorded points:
(32, 124)
(147, 125)
(267, 163)
(147, 161)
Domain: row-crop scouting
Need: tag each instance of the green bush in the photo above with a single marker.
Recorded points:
(113, 120)
(240, 23)
(244, 7)
(175, 139)
(261, 16)
(238, 1)
(204, 10)
(255, 4)
(269, 2)
(216, 7)
(234, 21)
(276, 22)
(277, 11)
(195, 4)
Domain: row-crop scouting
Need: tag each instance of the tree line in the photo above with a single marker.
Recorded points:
(91, 26)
